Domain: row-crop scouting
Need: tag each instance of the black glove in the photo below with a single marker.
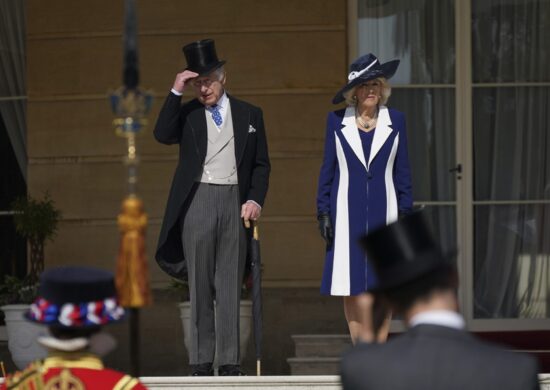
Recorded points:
(325, 227)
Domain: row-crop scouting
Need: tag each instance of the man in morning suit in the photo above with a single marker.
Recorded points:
(419, 282)
(221, 179)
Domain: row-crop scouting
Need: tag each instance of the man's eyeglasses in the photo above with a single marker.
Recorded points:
(207, 82)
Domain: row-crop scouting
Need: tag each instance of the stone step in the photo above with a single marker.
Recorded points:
(325, 382)
(314, 365)
(320, 345)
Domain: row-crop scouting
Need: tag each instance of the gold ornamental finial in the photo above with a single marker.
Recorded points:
(132, 274)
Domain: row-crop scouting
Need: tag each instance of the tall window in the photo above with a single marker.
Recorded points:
(511, 145)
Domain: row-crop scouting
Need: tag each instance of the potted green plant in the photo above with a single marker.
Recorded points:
(36, 220)
(14, 291)
(15, 297)
(245, 314)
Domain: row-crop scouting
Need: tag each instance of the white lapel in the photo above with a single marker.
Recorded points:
(351, 134)
(382, 132)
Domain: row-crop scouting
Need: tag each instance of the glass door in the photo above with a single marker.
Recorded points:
(510, 143)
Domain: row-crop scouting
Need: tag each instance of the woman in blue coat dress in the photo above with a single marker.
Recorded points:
(364, 184)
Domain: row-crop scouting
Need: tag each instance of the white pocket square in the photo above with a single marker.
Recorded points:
(251, 129)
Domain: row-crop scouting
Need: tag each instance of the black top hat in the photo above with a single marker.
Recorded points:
(201, 57)
(404, 251)
(75, 297)
(363, 69)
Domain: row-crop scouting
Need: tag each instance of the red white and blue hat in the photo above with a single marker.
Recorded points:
(76, 297)
(363, 69)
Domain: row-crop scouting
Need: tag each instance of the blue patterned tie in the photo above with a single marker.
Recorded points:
(216, 115)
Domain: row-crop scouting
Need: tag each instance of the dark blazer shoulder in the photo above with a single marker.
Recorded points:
(363, 360)
(396, 115)
(358, 354)
(338, 114)
(443, 350)
(191, 105)
(334, 118)
(465, 342)
(242, 104)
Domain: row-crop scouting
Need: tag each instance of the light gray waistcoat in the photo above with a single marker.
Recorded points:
(220, 166)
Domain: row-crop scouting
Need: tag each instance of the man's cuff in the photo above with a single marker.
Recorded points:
(251, 201)
(177, 93)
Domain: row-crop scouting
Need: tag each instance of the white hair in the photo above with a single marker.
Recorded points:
(351, 99)
(219, 73)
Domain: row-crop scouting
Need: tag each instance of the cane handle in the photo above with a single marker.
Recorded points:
(255, 232)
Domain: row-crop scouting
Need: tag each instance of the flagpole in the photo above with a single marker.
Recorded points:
(130, 106)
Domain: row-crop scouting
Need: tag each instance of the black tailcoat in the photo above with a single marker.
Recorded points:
(186, 125)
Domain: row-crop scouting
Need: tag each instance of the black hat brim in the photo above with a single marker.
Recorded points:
(404, 273)
(206, 70)
(386, 70)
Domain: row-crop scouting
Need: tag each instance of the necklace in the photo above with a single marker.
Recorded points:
(367, 124)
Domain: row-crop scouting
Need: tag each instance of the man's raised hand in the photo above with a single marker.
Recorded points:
(182, 80)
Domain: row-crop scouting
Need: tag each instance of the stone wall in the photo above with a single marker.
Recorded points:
(287, 57)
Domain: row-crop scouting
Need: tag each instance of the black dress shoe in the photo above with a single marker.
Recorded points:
(204, 369)
(230, 370)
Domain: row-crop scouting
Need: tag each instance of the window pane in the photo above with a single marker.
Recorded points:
(510, 40)
(511, 143)
(511, 263)
(418, 32)
(443, 223)
(431, 134)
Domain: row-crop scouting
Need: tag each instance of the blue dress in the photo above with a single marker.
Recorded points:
(364, 184)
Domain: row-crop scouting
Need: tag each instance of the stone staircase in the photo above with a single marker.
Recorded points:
(318, 354)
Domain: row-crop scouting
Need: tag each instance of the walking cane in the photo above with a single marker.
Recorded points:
(256, 269)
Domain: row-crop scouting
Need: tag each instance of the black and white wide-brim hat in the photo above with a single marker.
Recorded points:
(363, 69)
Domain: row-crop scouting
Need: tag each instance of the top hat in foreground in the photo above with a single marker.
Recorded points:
(363, 69)
(76, 297)
(201, 57)
(404, 251)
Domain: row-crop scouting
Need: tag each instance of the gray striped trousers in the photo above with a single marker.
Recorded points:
(214, 246)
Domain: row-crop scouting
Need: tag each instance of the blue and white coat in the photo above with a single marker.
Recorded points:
(360, 195)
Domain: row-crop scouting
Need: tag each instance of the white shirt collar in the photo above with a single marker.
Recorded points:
(446, 318)
(222, 102)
